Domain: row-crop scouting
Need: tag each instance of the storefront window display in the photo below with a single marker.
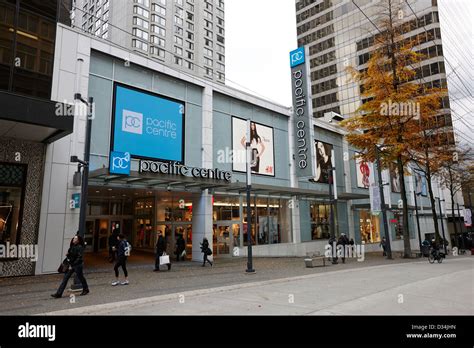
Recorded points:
(226, 208)
(12, 182)
(320, 221)
(397, 222)
(144, 222)
(270, 221)
(369, 227)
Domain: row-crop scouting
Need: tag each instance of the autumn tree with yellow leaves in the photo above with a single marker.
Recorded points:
(396, 108)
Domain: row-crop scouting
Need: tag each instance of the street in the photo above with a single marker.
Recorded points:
(414, 288)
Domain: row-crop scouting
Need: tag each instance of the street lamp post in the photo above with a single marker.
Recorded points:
(460, 227)
(249, 209)
(382, 205)
(84, 163)
(332, 200)
(417, 220)
(442, 224)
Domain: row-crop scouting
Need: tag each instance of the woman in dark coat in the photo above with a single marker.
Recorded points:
(206, 251)
(160, 249)
(113, 242)
(75, 257)
(180, 247)
(123, 252)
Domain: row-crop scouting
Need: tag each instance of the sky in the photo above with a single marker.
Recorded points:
(457, 36)
(259, 36)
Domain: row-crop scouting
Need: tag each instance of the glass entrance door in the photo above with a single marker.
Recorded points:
(224, 238)
(184, 230)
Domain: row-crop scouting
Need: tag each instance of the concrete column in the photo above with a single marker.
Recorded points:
(59, 223)
(350, 220)
(202, 223)
(202, 204)
(293, 204)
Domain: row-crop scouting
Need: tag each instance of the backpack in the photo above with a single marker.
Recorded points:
(128, 248)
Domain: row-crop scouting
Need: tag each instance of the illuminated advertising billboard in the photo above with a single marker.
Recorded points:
(147, 126)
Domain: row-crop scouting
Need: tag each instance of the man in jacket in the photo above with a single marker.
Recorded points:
(343, 241)
(160, 249)
(180, 247)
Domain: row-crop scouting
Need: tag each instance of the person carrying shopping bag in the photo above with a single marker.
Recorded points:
(123, 251)
(161, 253)
(180, 248)
(75, 260)
(206, 251)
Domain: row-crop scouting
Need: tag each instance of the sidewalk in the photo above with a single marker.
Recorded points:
(31, 295)
(392, 289)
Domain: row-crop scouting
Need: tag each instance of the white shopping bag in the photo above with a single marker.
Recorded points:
(164, 260)
(183, 254)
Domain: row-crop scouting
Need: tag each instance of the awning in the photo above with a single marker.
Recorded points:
(27, 118)
(173, 183)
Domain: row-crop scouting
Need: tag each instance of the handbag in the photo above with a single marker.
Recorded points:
(164, 259)
(183, 254)
(209, 251)
(64, 266)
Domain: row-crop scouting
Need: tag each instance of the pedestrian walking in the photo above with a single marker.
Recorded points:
(343, 240)
(123, 251)
(113, 241)
(75, 259)
(180, 248)
(332, 243)
(383, 244)
(160, 251)
(206, 251)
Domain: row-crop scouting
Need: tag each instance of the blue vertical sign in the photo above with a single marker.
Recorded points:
(297, 57)
(75, 201)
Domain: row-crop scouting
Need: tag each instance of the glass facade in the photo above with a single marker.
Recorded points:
(141, 214)
(369, 227)
(27, 40)
(339, 36)
(320, 221)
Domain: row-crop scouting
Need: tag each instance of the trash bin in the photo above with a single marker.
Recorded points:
(425, 250)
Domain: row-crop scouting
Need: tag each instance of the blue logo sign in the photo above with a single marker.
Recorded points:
(76, 200)
(148, 126)
(120, 163)
(297, 57)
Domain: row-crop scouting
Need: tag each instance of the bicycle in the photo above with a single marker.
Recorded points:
(435, 255)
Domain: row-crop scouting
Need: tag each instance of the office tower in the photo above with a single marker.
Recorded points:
(341, 33)
(187, 35)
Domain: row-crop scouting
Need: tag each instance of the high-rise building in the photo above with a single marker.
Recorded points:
(32, 121)
(187, 35)
(341, 33)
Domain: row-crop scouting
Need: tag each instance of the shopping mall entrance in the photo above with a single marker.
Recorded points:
(139, 214)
